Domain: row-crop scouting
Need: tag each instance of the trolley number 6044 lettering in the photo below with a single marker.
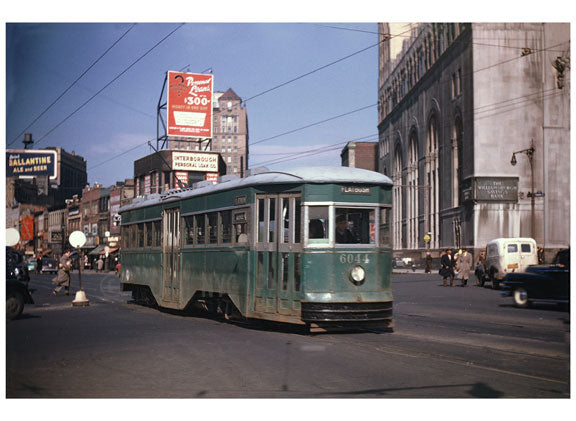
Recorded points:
(350, 258)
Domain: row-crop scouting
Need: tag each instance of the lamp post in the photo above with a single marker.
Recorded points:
(530, 154)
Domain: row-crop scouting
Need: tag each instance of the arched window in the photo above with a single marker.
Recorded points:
(456, 162)
(412, 192)
(397, 198)
(432, 190)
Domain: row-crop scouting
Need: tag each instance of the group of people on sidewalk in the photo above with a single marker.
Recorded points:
(457, 266)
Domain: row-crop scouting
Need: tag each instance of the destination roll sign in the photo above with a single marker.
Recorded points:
(31, 163)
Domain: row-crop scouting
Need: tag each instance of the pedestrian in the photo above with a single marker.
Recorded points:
(63, 278)
(480, 268)
(464, 267)
(447, 267)
(39, 264)
(540, 256)
(100, 264)
(428, 268)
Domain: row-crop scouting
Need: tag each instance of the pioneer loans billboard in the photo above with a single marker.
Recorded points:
(189, 104)
(31, 163)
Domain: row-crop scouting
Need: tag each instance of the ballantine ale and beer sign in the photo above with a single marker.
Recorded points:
(31, 163)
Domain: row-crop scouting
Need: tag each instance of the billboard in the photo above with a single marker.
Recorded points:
(26, 163)
(189, 104)
(195, 161)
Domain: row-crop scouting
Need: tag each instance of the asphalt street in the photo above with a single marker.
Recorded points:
(447, 343)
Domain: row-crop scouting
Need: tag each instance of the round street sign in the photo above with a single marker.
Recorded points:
(77, 239)
(12, 237)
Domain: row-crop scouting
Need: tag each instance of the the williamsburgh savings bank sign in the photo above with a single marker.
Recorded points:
(26, 163)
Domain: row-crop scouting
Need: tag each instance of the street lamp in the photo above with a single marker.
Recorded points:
(530, 154)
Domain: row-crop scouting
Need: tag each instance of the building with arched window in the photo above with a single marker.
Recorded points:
(456, 102)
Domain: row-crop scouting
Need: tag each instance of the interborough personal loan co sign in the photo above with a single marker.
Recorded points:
(31, 163)
(195, 161)
(189, 104)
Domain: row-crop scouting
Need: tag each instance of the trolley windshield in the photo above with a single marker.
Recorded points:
(342, 226)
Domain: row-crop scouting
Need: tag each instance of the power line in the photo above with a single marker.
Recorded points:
(318, 69)
(313, 124)
(118, 155)
(73, 83)
(109, 83)
(311, 152)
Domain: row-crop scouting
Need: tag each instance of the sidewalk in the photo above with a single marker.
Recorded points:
(397, 271)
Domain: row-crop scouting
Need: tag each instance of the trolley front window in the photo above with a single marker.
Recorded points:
(355, 226)
(340, 226)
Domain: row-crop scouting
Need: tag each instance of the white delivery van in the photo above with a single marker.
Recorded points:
(506, 255)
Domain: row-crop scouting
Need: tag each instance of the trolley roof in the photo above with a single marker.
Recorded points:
(259, 176)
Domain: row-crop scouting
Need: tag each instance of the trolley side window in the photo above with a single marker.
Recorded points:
(213, 227)
(385, 227)
(157, 233)
(318, 222)
(200, 232)
(140, 235)
(189, 234)
(149, 234)
(241, 227)
(226, 226)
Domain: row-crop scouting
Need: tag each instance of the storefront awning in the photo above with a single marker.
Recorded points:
(97, 250)
(112, 250)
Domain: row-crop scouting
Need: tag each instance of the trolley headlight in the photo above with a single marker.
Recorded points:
(357, 274)
(16, 271)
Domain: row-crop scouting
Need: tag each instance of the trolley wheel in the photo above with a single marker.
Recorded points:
(14, 305)
(521, 297)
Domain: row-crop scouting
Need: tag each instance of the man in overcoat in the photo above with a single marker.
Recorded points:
(464, 267)
(447, 264)
(63, 278)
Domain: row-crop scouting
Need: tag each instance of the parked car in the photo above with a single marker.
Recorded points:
(49, 265)
(508, 255)
(544, 283)
(17, 277)
(404, 262)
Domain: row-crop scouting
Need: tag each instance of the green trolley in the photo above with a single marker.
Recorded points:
(309, 246)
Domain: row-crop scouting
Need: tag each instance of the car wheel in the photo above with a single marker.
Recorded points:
(14, 305)
(521, 297)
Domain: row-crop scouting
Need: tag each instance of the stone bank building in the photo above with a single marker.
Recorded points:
(474, 130)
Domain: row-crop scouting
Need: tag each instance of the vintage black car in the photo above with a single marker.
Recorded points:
(49, 265)
(17, 278)
(540, 283)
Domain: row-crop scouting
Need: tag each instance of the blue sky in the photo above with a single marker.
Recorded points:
(44, 59)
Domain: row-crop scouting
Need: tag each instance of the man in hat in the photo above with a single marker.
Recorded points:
(343, 234)
(63, 278)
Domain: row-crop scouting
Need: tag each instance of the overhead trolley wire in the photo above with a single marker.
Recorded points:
(109, 83)
(313, 124)
(73, 83)
(319, 68)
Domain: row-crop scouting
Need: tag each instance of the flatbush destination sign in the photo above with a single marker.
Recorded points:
(31, 163)
(492, 189)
